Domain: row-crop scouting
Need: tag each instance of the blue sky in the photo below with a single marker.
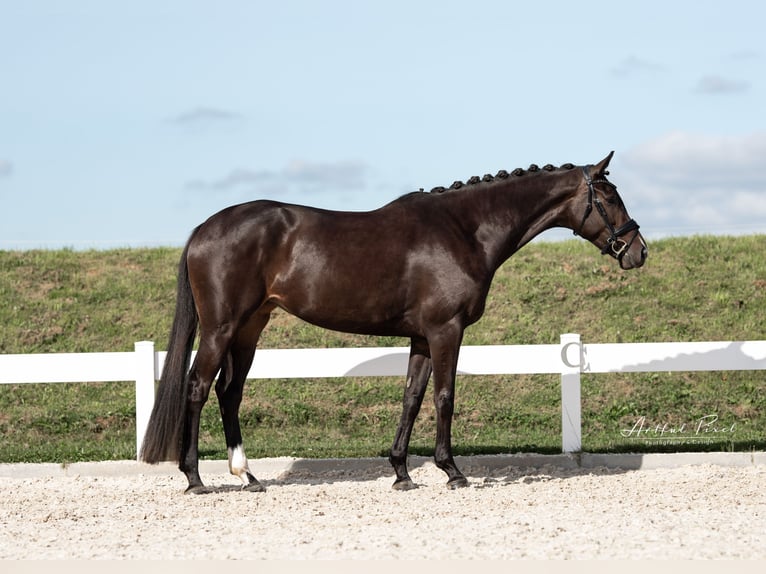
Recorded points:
(129, 123)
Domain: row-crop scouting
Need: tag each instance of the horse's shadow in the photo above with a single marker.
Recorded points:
(483, 471)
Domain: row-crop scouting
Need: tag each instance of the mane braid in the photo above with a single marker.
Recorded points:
(502, 174)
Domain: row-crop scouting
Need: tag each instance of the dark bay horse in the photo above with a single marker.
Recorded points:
(419, 267)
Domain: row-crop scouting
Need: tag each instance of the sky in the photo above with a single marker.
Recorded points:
(127, 124)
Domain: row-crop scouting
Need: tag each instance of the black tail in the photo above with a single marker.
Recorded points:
(164, 433)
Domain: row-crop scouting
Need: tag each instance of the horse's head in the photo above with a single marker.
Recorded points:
(604, 221)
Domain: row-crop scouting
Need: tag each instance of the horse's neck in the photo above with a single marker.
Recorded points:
(509, 215)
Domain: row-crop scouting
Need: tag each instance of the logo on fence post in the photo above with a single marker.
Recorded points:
(578, 352)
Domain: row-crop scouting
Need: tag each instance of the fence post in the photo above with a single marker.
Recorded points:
(571, 360)
(145, 379)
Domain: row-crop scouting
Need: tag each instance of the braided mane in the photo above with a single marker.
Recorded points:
(502, 174)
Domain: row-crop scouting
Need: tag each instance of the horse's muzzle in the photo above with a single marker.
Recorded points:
(634, 256)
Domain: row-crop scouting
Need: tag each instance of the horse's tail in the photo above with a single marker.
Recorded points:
(164, 432)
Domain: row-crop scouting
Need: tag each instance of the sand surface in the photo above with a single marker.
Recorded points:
(702, 511)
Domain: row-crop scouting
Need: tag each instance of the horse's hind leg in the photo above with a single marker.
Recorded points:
(206, 365)
(229, 391)
(418, 373)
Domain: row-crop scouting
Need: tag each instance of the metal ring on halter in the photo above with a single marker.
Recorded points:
(616, 238)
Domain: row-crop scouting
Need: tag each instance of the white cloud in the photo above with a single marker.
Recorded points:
(744, 55)
(204, 114)
(634, 65)
(702, 160)
(235, 178)
(297, 176)
(699, 183)
(750, 204)
(6, 168)
(343, 174)
(720, 85)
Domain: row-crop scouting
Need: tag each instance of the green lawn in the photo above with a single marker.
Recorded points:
(700, 288)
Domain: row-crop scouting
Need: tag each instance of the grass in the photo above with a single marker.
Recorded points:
(691, 289)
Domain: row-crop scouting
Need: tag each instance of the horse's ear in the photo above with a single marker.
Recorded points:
(601, 166)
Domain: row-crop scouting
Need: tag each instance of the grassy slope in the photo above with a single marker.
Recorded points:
(692, 289)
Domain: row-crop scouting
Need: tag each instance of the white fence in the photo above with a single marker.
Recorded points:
(569, 359)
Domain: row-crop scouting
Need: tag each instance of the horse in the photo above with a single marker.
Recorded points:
(418, 267)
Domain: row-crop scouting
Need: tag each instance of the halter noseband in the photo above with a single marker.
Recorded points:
(614, 243)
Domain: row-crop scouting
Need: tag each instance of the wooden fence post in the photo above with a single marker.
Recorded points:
(571, 361)
(145, 379)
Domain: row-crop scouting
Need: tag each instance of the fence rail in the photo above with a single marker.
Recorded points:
(568, 359)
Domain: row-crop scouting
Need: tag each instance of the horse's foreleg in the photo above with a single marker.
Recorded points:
(229, 391)
(445, 348)
(418, 373)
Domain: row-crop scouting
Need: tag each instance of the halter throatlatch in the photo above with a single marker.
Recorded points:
(615, 245)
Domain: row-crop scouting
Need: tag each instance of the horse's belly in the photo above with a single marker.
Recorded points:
(369, 315)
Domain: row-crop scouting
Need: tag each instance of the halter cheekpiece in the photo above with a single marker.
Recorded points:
(614, 243)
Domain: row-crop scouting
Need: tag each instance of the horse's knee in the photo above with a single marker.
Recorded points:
(445, 402)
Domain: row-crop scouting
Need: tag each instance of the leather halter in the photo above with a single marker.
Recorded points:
(615, 245)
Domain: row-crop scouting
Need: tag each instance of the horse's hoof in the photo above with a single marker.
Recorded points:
(196, 489)
(254, 487)
(459, 482)
(405, 484)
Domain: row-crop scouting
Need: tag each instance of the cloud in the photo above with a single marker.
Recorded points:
(720, 85)
(633, 65)
(745, 55)
(6, 168)
(296, 177)
(204, 115)
(344, 174)
(233, 179)
(711, 160)
(707, 183)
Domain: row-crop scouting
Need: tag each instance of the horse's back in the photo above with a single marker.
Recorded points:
(268, 224)
(294, 241)
(349, 271)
